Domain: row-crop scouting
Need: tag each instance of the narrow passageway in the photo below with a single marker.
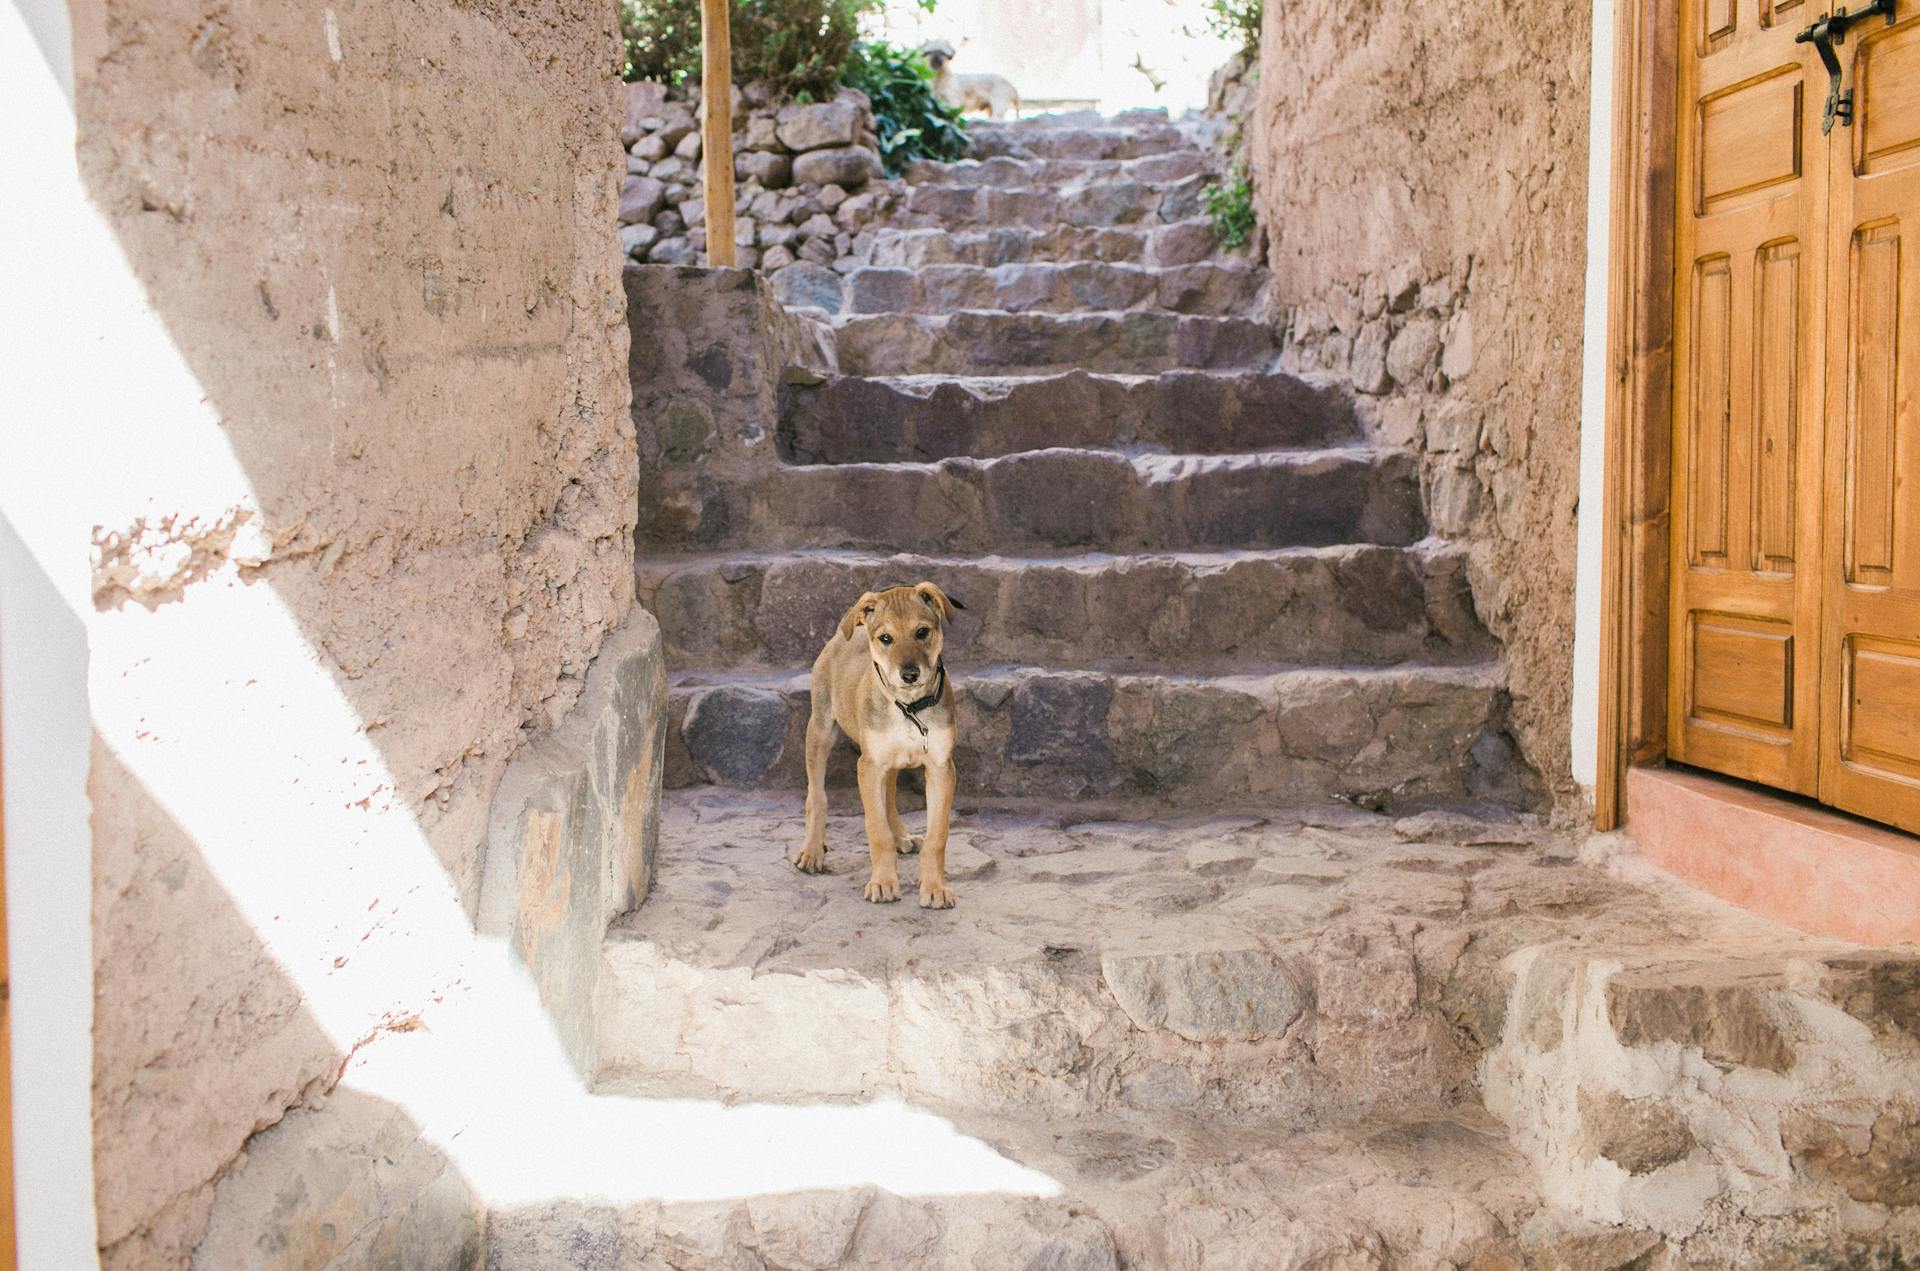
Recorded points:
(1266, 951)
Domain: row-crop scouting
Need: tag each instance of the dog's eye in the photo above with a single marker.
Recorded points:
(886, 639)
(921, 634)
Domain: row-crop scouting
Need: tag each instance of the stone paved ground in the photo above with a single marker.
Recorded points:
(1243, 1041)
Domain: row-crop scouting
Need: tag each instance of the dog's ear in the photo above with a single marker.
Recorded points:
(938, 600)
(862, 610)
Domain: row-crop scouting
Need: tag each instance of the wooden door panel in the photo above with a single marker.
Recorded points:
(1881, 730)
(1870, 727)
(1779, 351)
(1743, 671)
(1887, 101)
(1718, 20)
(1710, 423)
(1743, 693)
(1872, 409)
(1749, 138)
(1782, 12)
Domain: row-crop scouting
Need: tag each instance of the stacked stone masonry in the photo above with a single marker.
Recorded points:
(808, 178)
(1188, 575)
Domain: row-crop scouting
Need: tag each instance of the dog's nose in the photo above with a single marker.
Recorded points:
(910, 673)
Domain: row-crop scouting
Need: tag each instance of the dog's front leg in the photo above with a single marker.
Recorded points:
(813, 851)
(885, 883)
(903, 842)
(934, 892)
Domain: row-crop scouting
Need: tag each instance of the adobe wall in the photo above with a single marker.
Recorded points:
(379, 237)
(1421, 176)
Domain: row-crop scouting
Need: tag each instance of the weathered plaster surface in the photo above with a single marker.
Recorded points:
(1420, 176)
(377, 235)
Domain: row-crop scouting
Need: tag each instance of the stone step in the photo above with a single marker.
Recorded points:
(1204, 1041)
(1132, 117)
(1153, 1191)
(1182, 243)
(1399, 737)
(987, 342)
(1658, 1086)
(1218, 966)
(1099, 203)
(854, 419)
(1052, 288)
(1342, 606)
(1049, 500)
(1006, 172)
(1075, 141)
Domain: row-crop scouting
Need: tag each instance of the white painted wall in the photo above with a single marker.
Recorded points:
(1116, 54)
(1593, 407)
(58, 367)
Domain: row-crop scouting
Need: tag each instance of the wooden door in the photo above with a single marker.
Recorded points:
(1749, 258)
(1870, 743)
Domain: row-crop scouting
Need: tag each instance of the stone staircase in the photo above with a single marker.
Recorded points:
(1261, 959)
(1189, 577)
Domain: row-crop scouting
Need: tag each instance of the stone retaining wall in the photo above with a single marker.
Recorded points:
(808, 178)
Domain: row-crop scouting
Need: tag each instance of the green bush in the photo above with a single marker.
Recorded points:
(910, 121)
(1231, 207)
(1236, 20)
(798, 47)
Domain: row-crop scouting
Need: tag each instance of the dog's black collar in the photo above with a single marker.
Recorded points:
(912, 709)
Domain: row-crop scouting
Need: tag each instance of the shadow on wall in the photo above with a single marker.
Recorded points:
(345, 1152)
(360, 519)
(360, 481)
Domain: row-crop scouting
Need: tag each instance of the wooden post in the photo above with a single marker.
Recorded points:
(716, 135)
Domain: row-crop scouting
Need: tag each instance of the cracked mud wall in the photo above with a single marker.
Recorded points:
(1421, 177)
(376, 234)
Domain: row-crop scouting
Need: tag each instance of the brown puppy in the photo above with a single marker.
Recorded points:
(882, 681)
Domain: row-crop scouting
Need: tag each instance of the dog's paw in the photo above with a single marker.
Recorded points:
(812, 860)
(907, 844)
(936, 895)
(882, 890)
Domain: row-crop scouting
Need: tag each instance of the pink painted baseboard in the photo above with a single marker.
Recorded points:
(1797, 864)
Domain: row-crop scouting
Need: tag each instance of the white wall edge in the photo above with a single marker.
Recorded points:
(44, 575)
(1585, 714)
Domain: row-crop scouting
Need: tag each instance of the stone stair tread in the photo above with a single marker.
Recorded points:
(1408, 737)
(1348, 604)
(1071, 916)
(1077, 141)
(1064, 497)
(1115, 929)
(662, 564)
(1208, 288)
(1184, 241)
(1134, 1189)
(1247, 680)
(999, 383)
(1150, 465)
(852, 418)
(1008, 172)
(1096, 340)
(1074, 318)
